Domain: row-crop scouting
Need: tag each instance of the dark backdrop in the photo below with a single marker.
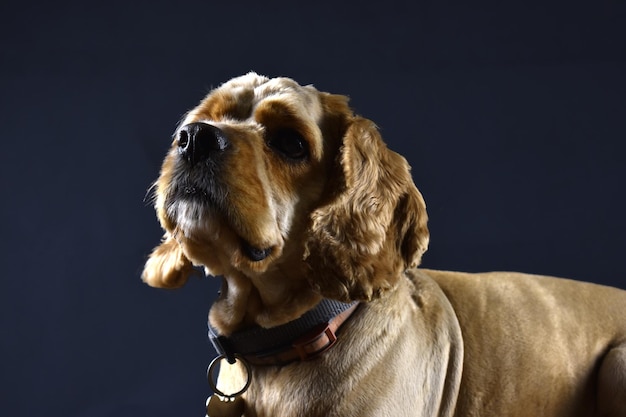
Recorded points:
(512, 115)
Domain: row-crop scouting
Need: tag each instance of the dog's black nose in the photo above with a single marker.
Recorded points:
(198, 141)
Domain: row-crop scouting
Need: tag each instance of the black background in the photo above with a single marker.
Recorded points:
(512, 115)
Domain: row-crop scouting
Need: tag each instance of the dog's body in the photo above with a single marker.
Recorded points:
(291, 198)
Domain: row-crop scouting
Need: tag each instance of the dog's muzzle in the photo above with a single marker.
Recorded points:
(200, 145)
(200, 141)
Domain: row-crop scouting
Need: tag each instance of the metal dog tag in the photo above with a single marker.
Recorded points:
(224, 406)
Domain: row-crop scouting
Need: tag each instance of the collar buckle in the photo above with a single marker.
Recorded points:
(318, 340)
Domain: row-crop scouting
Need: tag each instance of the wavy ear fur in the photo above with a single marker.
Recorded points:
(375, 225)
(167, 266)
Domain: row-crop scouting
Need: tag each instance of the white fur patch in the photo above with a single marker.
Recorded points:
(192, 218)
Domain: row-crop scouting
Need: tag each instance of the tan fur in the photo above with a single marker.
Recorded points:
(348, 223)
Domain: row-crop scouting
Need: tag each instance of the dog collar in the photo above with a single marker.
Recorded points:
(298, 340)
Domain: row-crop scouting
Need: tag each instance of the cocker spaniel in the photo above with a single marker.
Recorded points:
(316, 230)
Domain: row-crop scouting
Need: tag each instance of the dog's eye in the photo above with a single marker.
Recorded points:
(289, 143)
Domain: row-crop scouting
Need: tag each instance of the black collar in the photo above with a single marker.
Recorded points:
(300, 339)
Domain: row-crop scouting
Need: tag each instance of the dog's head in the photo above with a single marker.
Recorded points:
(288, 195)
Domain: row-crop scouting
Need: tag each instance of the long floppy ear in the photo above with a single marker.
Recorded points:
(167, 266)
(374, 226)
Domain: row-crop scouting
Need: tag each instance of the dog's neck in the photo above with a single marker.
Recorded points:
(266, 301)
(274, 319)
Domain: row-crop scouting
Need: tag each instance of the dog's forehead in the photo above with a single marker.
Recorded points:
(240, 97)
(256, 89)
(288, 89)
(264, 87)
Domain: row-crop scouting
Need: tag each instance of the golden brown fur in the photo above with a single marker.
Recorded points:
(345, 221)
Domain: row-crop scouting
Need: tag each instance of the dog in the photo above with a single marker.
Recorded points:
(301, 209)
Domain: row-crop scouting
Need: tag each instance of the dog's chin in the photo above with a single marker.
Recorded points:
(201, 222)
(196, 219)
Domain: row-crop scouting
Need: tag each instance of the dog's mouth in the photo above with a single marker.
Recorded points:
(195, 207)
(190, 191)
(194, 200)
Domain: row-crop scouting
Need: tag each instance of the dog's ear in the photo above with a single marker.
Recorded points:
(373, 226)
(167, 266)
